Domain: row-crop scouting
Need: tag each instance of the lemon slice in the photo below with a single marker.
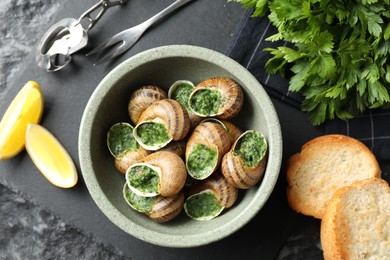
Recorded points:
(50, 157)
(25, 108)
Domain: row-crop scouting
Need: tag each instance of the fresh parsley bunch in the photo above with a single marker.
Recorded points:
(337, 50)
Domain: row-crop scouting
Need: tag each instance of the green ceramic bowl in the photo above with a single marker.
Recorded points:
(108, 105)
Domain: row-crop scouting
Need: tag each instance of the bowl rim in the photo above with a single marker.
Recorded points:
(170, 240)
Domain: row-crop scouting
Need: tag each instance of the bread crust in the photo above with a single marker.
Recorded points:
(314, 174)
(339, 218)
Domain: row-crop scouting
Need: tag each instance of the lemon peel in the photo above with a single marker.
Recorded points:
(25, 108)
(50, 157)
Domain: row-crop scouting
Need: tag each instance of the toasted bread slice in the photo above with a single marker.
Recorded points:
(324, 165)
(356, 224)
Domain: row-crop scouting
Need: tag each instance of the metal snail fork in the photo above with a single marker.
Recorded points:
(69, 35)
(124, 40)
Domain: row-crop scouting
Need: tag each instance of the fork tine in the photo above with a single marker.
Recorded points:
(116, 51)
(104, 45)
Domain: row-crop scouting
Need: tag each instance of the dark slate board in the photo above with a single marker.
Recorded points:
(205, 23)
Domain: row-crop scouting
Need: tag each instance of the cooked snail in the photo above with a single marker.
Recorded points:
(180, 91)
(160, 209)
(155, 180)
(219, 96)
(243, 166)
(209, 198)
(123, 163)
(163, 121)
(233, 131)
(142, 98)
(205, 148)
(123, 146)
(160, 173)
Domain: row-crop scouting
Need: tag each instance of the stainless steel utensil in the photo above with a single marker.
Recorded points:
(124, 40)
(69, 36)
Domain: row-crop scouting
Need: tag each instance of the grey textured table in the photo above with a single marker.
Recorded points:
(47, 218)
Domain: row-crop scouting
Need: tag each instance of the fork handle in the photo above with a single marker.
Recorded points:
(165, 12)
(102, 6)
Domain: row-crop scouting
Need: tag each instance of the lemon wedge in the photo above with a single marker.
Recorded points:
(50, 157)
(25, 108)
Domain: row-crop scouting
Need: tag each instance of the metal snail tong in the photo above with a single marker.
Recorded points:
(68, 36)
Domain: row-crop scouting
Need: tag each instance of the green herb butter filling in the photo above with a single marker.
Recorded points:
(139, 203)
(251, 148)
(203, 206)
(182, 94)
(206, 101)
(143, 179)
(201, 161)
(152, 133)
(120, 139)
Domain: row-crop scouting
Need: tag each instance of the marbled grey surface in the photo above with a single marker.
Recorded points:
(304, 241)
(28, 231)
(21, 22)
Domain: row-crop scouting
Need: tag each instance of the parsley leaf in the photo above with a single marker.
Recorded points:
(260, 6)
(339, 53)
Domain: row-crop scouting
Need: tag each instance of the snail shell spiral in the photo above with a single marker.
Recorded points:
(128, 159)
(233, 131)
(160, 209)
(212, 136)
(171, 170)
(225, 193)
(142, 98)
(171, 114)
(236, 171)
(230, 102)
(210, 197)
(167, 208)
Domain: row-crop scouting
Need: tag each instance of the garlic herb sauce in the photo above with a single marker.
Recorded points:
(182, 94)
(144, 179)
(201, 161)
(203, 205)
(206, 101)
(121, 139)
(140, 203)
(152, 133)
(251, 148)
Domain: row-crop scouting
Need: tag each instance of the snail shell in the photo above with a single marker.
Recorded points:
(236, 171)
(128, 159)
(177, 147)
(211, 136)
(171, 114)
(167, 208)
(180, 91)
(123, 146)
(142, 98)
(171, 172)
(217, 185)
(160, 209)
(233, 131)
(230, 101)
